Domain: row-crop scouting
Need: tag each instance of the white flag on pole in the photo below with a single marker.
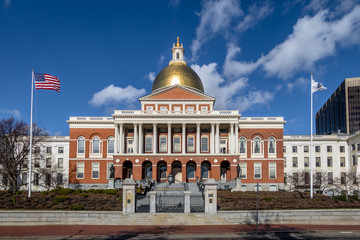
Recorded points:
(315, 86)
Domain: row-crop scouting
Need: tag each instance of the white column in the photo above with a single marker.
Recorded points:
(155, 138)
(136, 142)
(169, 138)
(183, 139)
(236, 138)
(231, 138)
(217, 138)
(198, 138)
(121, 138)
(141, 139)
(116, 138)
(212, 138)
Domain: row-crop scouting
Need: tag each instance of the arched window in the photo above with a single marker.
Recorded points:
(177, 55)
(190, 171)
(272, 145)
(205, 170)
(81, 145)
(242, 145)
(96, 145)
(162, 170)
(257, 145)
(111, 145)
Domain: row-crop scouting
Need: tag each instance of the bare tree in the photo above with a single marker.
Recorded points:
(52, 177)
(348, 183)
(14, 149)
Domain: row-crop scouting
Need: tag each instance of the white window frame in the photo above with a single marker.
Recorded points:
(192, 149)
(175, 150)
(204, 109)
(96, 138)
(177, 109)
(149, 109)
(80, 169)
(207, 143)
(245, 147)
(297, 162)
(223, 145)
(163, 146)
(272, 166)
(243, 166)
(81, 138)
(60, 163)
(257, 165)
(342, 158)
(48, 162)
(274, 153)
(130, 146)
(261, 147)
(150, 139)
(163, 109)
(61, 150)
(111, 138)
(93, 169)
(190, 109)
(308, 162)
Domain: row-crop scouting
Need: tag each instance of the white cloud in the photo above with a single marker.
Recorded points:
(253, 98)
(161, 60)
(299, 84)
(12, 112)
(174, 3)
(7, 3)
(151, 76)
(215, 16)
(312, 39)
(113, 95)
(256, 12)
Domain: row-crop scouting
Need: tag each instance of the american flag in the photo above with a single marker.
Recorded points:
(46, 81)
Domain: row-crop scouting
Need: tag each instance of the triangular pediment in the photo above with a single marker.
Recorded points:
(177, 92)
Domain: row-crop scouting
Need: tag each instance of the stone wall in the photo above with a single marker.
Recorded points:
(313, 217)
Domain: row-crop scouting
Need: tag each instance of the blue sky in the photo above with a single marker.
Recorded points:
(254, 56)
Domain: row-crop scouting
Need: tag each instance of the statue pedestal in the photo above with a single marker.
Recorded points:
(237, 185)
(111, 184)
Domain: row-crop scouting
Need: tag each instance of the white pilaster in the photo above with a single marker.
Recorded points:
(155, 138)
(169, 138)
(136, 142)
(121, 138)
(217, 138)
(198, 138)
(236, 138)
(231, 138)
(116, 138)
(212, 138)
(183, 140)
(141, 139)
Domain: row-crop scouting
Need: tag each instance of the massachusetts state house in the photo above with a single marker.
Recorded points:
(177, 132)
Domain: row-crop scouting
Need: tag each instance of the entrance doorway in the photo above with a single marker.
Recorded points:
(176, 172)
(224, 170)
(128, 169)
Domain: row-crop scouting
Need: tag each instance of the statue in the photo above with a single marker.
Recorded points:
(112, 171)
(238, 168)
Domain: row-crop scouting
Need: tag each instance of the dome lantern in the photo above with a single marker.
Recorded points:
(177, 53)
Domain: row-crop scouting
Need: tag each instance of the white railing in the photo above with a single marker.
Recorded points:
(261, 119)
(91, 119)
(174, 112)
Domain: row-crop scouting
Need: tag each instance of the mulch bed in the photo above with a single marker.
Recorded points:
(279, 200)
(72, 201)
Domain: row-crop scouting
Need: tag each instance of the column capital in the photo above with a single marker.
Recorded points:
(217, 124)
(140, 124)
(198, 124)
(121, 124)
(135, 124)
(154, 124)
(183, 124)
(169, 124)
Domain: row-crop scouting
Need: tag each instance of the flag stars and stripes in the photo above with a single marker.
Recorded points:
(46, 81)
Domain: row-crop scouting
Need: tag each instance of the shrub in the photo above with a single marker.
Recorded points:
(85, 195)
(90, 190)
(65, 191)
(111, 191)
(77, 191)
(341, 198)
(97, 191)
(76, 207)
(44, 192)
(120, 199)
(268, 199)
(354, 197)
(18, 192)
(54, 190)
(59, 199)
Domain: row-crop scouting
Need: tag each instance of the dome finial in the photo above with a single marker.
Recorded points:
(177, 42)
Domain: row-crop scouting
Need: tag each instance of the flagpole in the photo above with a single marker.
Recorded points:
(311, 139)
(31, 133)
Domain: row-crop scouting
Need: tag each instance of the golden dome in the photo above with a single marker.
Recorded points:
(178, 73)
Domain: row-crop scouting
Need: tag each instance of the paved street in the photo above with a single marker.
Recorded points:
(181, 232)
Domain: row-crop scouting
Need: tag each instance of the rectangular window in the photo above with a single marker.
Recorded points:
(80, 170)
(190, 109)
(177, 144)
(342, 148)
(296, 178)
(352, 147)
(317, 149)
(272, 170)
(36, 179)
(48, 162)
(204, 144)
(163, 109)
(306, 149)
(306, 162)
(330, 178)
(343, 178)
(295, 161)
(177, 109)
(284, 161)
(317, 162)
(130, 145)
(37, 149)
(204, 109)
(354, 160)
(284, 149)
(149, 108)
(329, 161)
(223, 146)
(60, 162)
(60, 149)
(294, 149)
(162, 142)
(95, 170)
(307, 178)
(48, 149)
(37, 162)
(48, 179)
(342, 162)
(329, 148)
(24, 178)
(190, 144)
(111, 145)
(257, 170)
(358, 147)
(243, 172)
(60, 179)
(25, 163)
(148, 143)
(223, 130)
